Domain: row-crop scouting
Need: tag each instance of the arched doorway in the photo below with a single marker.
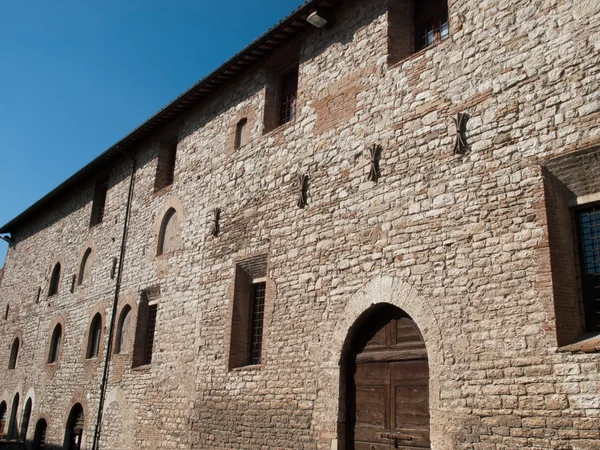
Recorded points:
(74, 430)
(387, 383)
(2, 418)
(13, 432)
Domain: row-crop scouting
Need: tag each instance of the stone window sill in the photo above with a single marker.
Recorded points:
(588, 343)
(142, 368)
(244, 368)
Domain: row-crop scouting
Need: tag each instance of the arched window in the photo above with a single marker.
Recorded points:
(39, 438)
(55, 344)
(2, 418)
(241, 133)
(85, 268)
(25, 420)
(123, 339)
(169, 233)
(12, 424)
(54, 280)
(14, 353)
(74, 430)
(94, 337)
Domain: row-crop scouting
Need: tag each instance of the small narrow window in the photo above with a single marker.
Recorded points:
(165, 166)
(168, 236)
(247, 325)
(146, 327)
(85, 267)
(123, 338)
(55, 344)
(39, 294)
(54, 280)
(39, 438)
(241, 133)
(25, 420)
(6, 311)
(99, 202)
(14, 353)
(2, 418)
(431, 19)
(288, 82)
(94, 337)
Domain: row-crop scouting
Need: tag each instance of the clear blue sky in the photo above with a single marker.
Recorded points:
(77, 76)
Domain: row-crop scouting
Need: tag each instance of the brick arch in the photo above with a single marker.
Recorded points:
(380, 290)
(61, 282)
(247, 112)
(89, 418)
(116, 397)
(51, 368)
(99, 309)
(17, 335)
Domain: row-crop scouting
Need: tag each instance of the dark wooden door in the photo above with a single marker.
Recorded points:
(389, 402)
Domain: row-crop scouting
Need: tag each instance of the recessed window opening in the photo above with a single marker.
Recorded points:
(431, 19)
(146, 327)
(25, 419)
(6, 311)
(54, 280)
(2, 418)
(55, 344)
(14, 353)
(256, 322)
(12, 424)
(99, 202)
(288, 82)
(85, 267)
(165, 166)
(39, 294)
(39, 438)
(94, 337)
(588, 232)
(74, 429)
(241, 133)
(123, 337)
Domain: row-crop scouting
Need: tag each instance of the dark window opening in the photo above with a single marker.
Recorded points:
(25, 420)
(55, 344)
(14, 353)
(39, 438)
(256, 322)
(431, 20)
(13, 429)
(165, 166)
(54, 280)
(288, 82)
(99, 202)
(6, 311)
(146, 327)
(39, 294)
(74, 429)
(588, 233)
(94, 337)
(248, 315)
(2, 418)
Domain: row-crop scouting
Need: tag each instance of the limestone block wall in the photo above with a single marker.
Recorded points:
(459, 242)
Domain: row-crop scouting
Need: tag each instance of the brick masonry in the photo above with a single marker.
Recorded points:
(461, 243)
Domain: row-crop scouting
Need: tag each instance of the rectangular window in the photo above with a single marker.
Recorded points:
(431, 19)
(99, 202)
(588, 233)
(288, 82)
(146, 327)
(165, 166)
(248, 315)
(257, 315)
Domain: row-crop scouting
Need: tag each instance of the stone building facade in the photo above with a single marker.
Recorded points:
(130, 292)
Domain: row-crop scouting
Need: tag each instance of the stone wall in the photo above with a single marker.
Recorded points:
(459, 242)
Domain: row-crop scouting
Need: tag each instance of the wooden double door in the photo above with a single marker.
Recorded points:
(388, 385)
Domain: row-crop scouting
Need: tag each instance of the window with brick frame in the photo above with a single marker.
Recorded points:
(414, 25)
(143, 347)
(85, 267)
(281, 93)
(288, 94)
(248, 312)
(169, 238)
(99, 201)
(95, 332)
(14, 354)
(165, 165)
(572, 203)
(122, 337)
(55, 342)
(54, 280)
